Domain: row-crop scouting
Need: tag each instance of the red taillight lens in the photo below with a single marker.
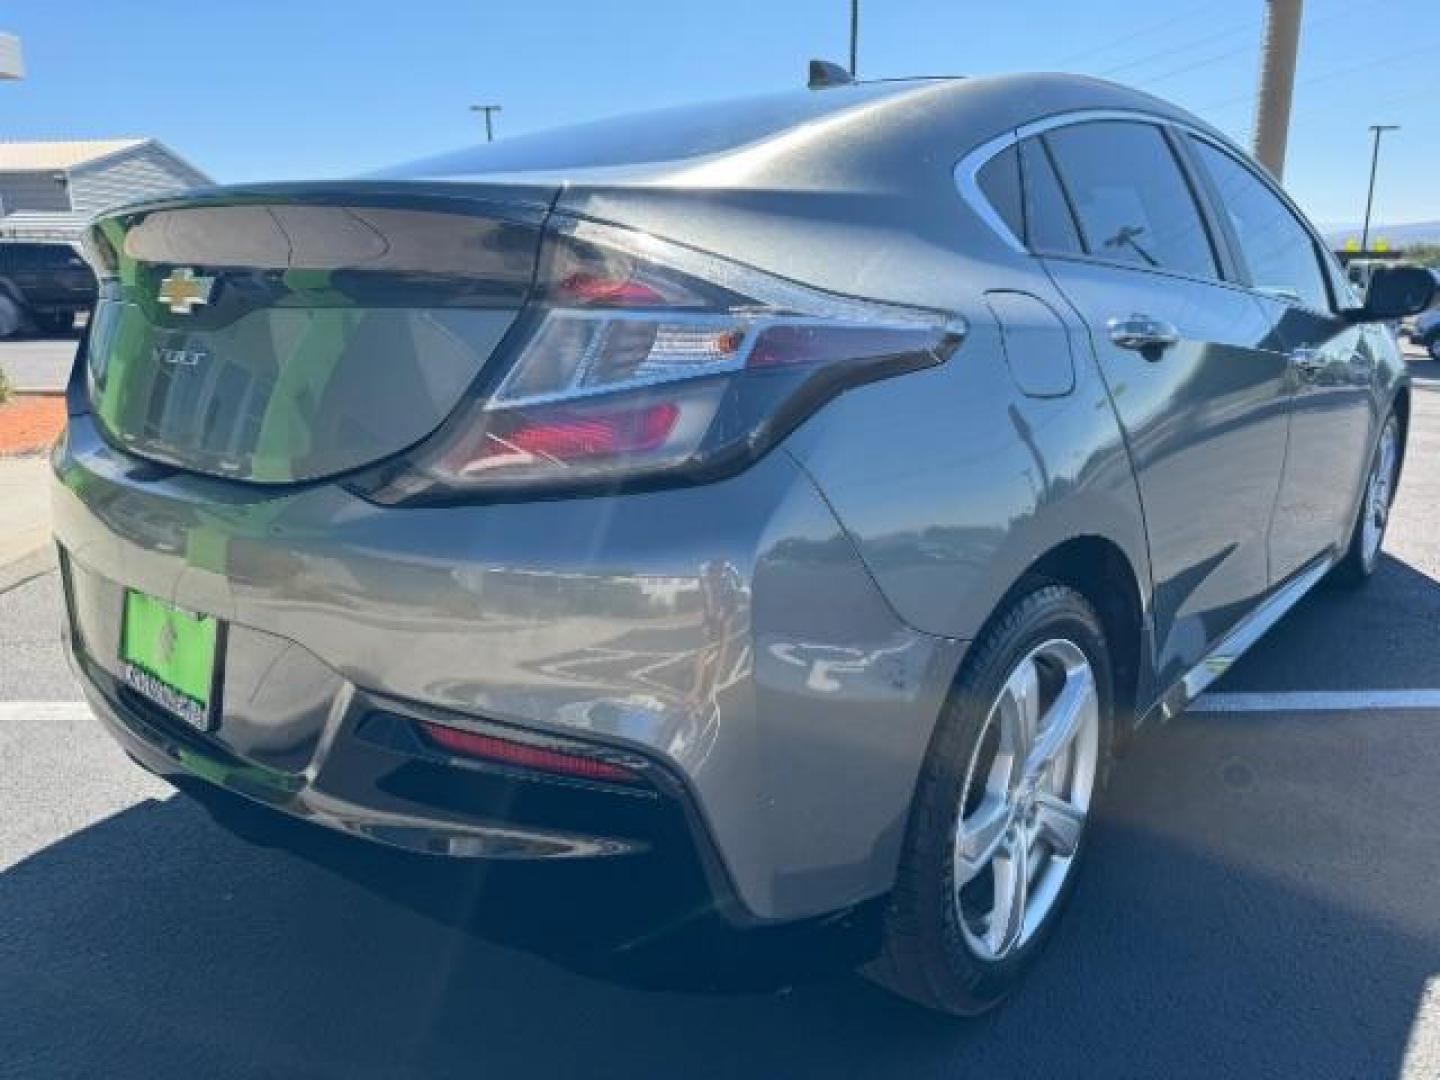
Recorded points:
(587, 436)
(624, 431)
(642, 358)
(503, 751)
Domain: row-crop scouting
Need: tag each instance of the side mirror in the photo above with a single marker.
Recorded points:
(1396, 292)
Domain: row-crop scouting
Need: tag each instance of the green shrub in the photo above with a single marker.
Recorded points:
(4, 386)
(1424, 254)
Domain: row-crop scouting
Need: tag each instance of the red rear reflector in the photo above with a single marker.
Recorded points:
(503, 751)
(594, 289)
(569, 435)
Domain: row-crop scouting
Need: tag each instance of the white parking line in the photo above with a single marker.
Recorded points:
(43, 711)
(1316, 701)
(1239, 702)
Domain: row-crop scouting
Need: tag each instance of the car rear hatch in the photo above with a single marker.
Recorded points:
(286, 334)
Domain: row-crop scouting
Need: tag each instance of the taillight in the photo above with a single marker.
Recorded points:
(523, 755)
(641, 359)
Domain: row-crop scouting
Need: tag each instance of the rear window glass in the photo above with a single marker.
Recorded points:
(676, 134)
(999, 180)
(1133, 202)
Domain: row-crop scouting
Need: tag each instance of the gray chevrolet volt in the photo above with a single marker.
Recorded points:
(801, 499)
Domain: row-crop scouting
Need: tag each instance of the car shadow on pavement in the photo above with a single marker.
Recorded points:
(1233, 919)
(1380, 637)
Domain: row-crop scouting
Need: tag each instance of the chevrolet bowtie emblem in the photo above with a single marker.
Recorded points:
(183, 289)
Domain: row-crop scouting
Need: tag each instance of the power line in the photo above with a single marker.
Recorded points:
(1323, 76)
(1188, 46)
(1145, 31)
(1247, 28)
(1247, 48)
(1310, 24)
(1229, 53)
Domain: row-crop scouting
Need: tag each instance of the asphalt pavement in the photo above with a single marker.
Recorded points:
(1260, 900)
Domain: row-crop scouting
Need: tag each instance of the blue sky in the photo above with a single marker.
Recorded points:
(263, 89)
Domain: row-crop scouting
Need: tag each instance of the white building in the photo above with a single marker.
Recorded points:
(49, 190)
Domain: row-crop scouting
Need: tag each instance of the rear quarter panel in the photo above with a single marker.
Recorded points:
(952, 483)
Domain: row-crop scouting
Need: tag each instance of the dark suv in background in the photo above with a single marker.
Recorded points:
(42, 285)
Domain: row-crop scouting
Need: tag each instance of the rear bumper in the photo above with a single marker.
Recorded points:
(726, 635)
(456, 840)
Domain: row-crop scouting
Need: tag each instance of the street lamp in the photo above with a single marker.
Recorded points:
(487, 110)
(1378, 129)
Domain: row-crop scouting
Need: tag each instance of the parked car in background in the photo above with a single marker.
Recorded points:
(1360, 271)
(42, 286)
(802, 497)
(1425, 332)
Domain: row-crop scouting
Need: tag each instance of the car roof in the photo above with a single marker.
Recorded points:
(846, 134)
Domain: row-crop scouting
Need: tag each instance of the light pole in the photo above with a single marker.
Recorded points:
(1378, 129)
(487, 110)
(854, 34)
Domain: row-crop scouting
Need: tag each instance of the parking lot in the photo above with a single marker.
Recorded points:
(1260, 899)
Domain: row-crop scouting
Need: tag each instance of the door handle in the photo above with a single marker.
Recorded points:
(1143, 334)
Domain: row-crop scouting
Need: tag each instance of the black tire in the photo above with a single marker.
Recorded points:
(1358, 563)
(12, 317)
(924, 954)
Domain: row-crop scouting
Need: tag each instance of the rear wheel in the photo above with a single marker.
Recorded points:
(1368, 533)
(1000, 814)
(12, 318)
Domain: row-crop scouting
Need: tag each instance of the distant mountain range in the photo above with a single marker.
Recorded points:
(1397, 236)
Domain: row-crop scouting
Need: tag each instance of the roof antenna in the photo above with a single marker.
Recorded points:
(823, 74)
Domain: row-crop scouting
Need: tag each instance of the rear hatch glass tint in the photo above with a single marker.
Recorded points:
(277, 342)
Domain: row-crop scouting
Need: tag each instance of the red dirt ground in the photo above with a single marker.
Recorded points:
(30, 422)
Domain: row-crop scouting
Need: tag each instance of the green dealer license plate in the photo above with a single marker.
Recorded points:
(168, 656)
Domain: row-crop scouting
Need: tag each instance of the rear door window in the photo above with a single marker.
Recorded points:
(1133, 203)
(1279, 251)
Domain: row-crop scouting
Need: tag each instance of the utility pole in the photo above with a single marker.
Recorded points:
(487, 110)
(1378, 129)
(854, 35)
(1277, 83)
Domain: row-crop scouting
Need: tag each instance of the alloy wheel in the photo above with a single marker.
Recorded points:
(1379, 493)
(1025, 799)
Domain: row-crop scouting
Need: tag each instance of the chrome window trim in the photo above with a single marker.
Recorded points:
(967, 171)
(967, 179)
